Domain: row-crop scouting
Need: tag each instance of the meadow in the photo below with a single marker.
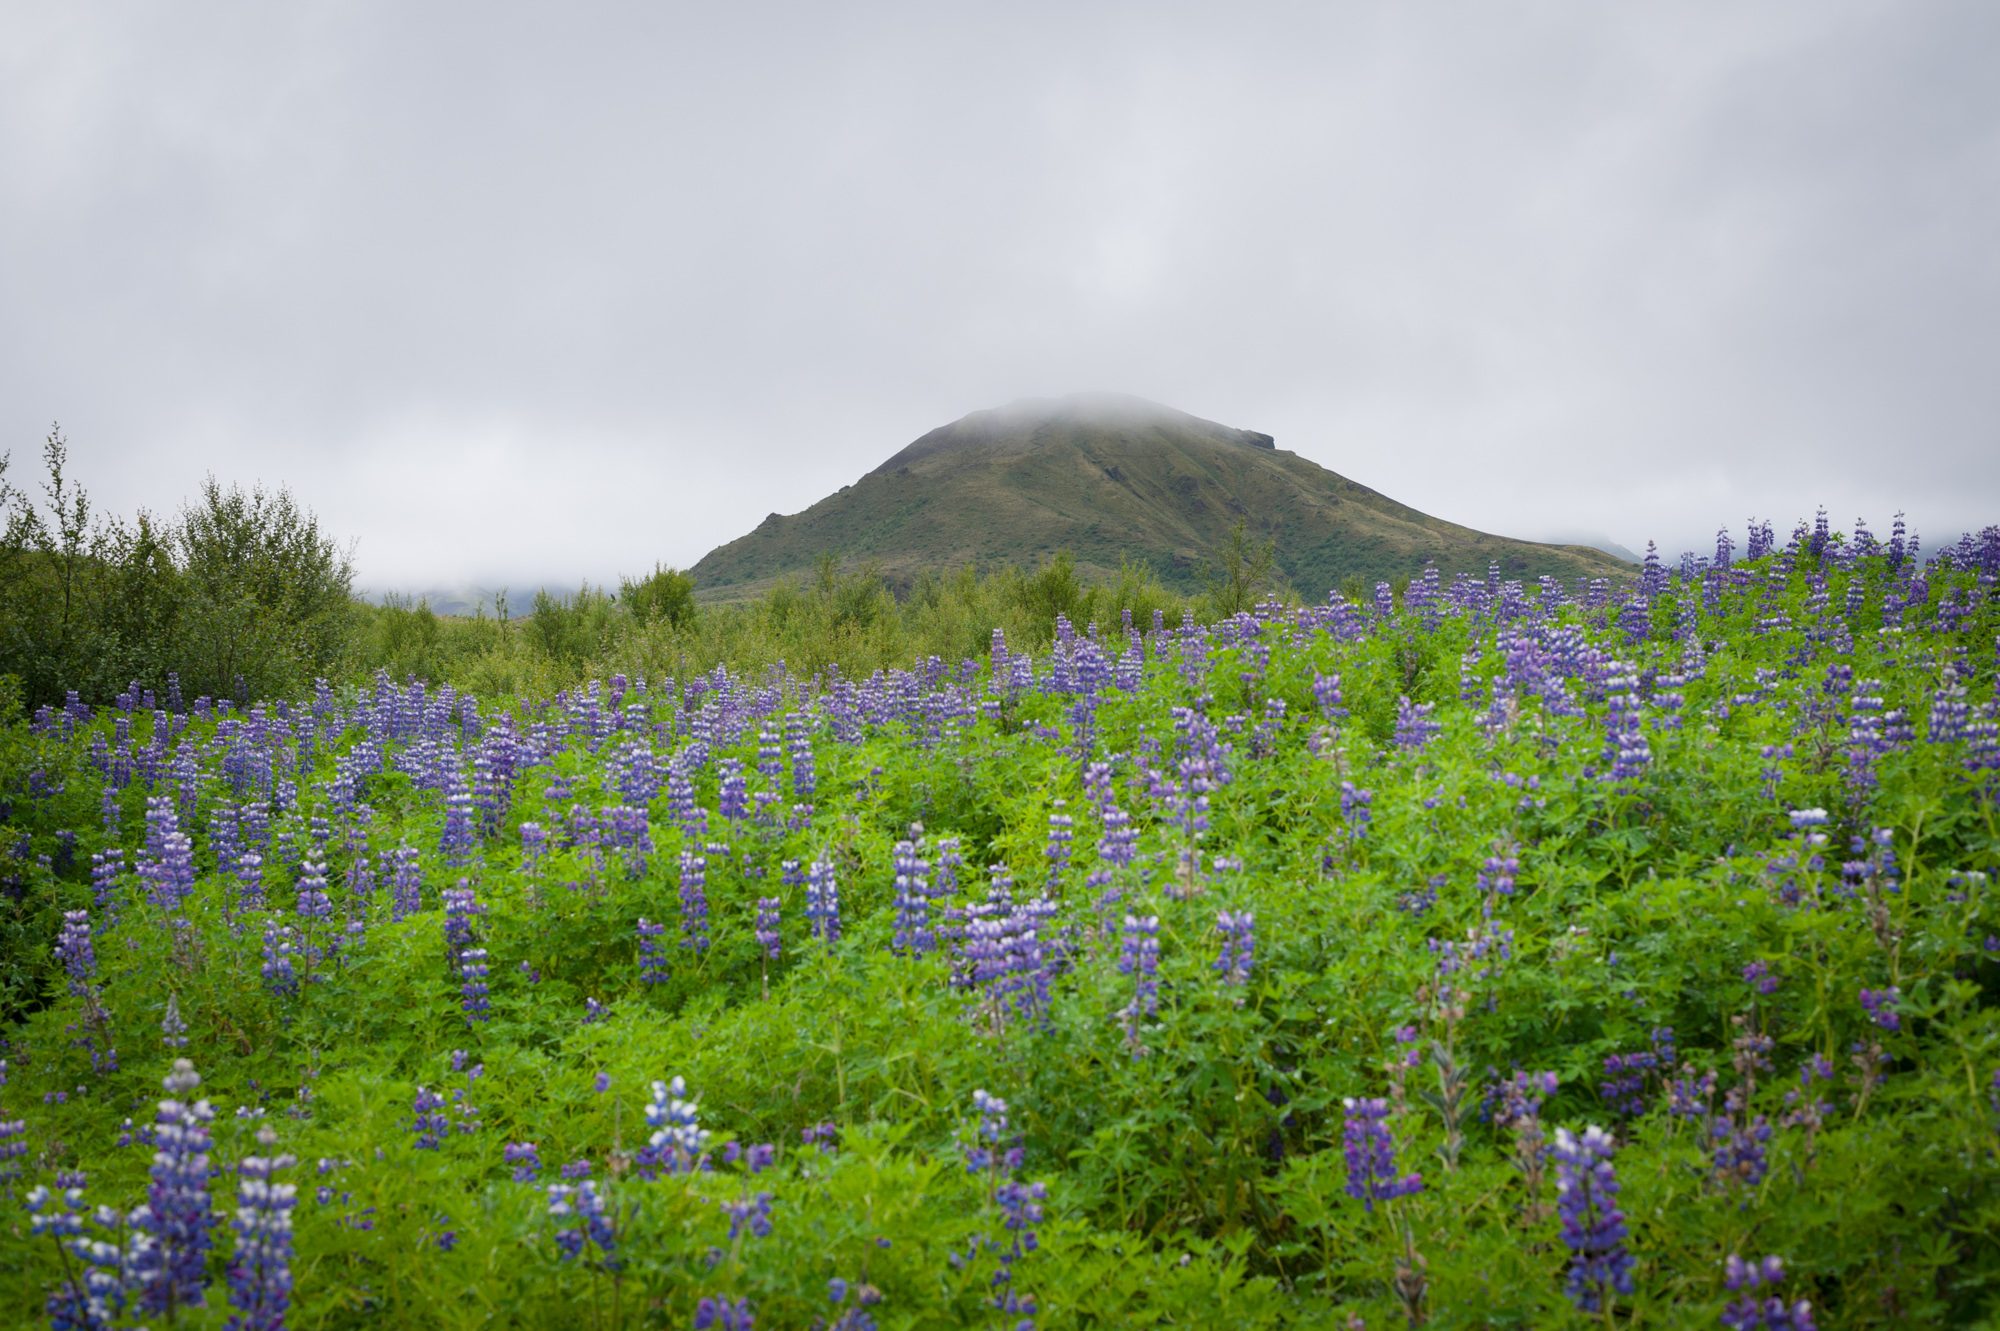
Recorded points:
(1479, 954)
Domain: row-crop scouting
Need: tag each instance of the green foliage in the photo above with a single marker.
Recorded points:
(1137, 484)
(1242, 571)
(264, 604)
(850, 619)
(240, 595)
(1193, 1153)
(664, 596)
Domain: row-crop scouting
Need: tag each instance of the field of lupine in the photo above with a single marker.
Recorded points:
(1503, 955)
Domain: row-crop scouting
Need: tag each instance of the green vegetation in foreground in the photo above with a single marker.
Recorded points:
(1595, 856)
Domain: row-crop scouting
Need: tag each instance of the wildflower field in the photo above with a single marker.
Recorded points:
(1496, 955)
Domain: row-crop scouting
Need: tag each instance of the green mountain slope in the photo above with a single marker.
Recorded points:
(1115, 479)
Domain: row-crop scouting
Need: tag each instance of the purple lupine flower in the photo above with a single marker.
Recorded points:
(694, 901)
(823, 902)
(460, 835)
(678, 1137)
(1370, 1151)
(721, 1314)
(767, 927)
(461, 909)
(1355, 807)
(682, 806)
(1662, 1038)
(581, 1203)
(1627, 749)
(1119, 844)
(472, 971)
(1239, 945)
(1020, 1205)
(626, 830)
(1417, 902)
(913, 902)
(1881, 1005)
(76, 953)
(166, 866)
(526, 1158)
(1738, 1149)
(1748, 1312)
(173, 1026)
(94, 1297)
(173, 873)
(856, 1318)
(1516, 1105)
(1414, 727)
(178, 1218)
(280, 946)
(313, 902)
(1692, 1096)
(1625, 1081)
(1593, 1228)
(732, 792)
(406, 883)
(1758, 976)
(750, 1214)
(1326, 693)
(1062, 834)
(1496, 876)
(260, 1274)
(534, 849)
(1518, 1100)
(250, 880)
(106, 866)
(1139, 957)
(429, 1121)
(653, 967)
(1005, 954)
(798, 742)
(13, 1139)
(984, 1152)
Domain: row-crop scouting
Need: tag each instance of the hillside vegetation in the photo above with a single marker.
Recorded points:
(1118, 481)
(1499, 954)
(243, 596)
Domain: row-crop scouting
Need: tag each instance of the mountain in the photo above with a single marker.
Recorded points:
(1114, 479)
(1596, 541)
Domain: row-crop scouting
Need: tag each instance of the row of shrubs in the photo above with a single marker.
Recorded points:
(243, 595)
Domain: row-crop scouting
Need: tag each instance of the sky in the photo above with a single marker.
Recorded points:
(530, 294)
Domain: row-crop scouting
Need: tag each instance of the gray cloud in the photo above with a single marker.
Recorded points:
(511, 293)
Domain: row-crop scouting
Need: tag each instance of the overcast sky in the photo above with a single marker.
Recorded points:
(514, 294)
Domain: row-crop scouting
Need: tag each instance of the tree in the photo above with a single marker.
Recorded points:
(266, 594)
(665, 595)
(47, 636)
(1242, 569)
(1051, 590)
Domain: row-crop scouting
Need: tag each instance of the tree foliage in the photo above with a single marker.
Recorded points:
(241, 594)
(265, 593)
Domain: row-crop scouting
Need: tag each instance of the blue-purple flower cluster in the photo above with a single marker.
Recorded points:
(1371, 1158)
(1593, 1228)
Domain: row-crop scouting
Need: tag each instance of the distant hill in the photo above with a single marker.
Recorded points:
(1594, 540)
(1114, 479)
(460, 601)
